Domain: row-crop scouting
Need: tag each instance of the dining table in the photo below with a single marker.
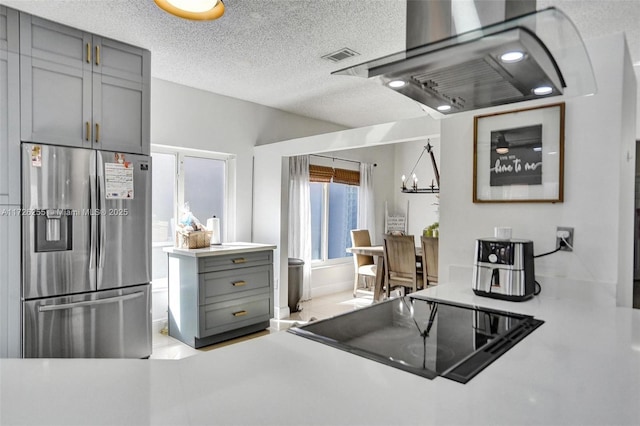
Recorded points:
(377, 252)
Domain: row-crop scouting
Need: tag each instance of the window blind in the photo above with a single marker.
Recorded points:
(348, 177)
(326, 174)
(321, 174)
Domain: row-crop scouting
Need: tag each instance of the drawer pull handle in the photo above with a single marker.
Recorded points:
(239, 260)
(240, 313)
(88, 53)
(239, 283)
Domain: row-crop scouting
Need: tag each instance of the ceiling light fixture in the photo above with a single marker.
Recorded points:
(503, 146)
(434, 188)
(511, 57)
(197, 10)
(443, 108)
(397, 83)
(542, 90)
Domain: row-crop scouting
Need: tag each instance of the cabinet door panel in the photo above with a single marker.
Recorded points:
(9, 108)
(9, 282)
(54, 42)
(121, 60)
(3, 29)
(9, 30)
(119, 110)
(56, 103)
(4, 130)
(9, 129)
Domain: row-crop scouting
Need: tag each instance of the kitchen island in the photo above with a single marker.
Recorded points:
(219, 292)
(582, 366)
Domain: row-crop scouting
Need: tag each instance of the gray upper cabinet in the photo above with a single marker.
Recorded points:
(9, 30)
(9, 108)
(82, 90)
(121, 97)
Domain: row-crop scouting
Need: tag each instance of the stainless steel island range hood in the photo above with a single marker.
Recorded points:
(468, 54)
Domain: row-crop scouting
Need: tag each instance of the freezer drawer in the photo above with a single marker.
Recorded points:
(105, 324)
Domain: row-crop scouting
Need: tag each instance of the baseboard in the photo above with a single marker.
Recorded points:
(283, 312)
(158, 324)
(331, 288)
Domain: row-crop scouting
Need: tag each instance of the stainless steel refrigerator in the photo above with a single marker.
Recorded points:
(86, 253)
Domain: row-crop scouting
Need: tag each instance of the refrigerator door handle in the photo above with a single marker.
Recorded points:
(101, 227)
(48, 308)
(92, 225)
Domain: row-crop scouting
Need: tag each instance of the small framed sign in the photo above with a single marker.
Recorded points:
(518, 155)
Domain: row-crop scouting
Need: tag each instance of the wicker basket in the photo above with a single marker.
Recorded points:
(193, 239)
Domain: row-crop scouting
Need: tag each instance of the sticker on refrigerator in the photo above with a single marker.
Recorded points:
(36, 156)
(118, 179)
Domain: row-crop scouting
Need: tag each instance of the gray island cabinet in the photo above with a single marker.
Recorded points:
(219, 292)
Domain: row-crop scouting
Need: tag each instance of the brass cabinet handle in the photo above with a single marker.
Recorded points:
(88, 53)
(97, 55)
(97, 133)
(239, 283)
(240, 313)
(87, 131)
(239, 260)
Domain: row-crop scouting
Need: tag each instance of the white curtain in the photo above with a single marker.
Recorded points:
(366, 203)
(300, 218)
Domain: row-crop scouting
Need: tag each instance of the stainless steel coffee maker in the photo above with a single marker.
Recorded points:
(504, 269)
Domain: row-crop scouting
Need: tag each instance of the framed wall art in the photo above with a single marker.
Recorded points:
(518, 155)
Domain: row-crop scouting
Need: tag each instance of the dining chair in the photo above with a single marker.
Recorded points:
(429, 259)
(364, 265)
(401, 268)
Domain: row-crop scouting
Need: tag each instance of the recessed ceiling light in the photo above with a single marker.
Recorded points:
(397, 83)
(198, 10)
(537, 148)
(542, 90)
(444, 108)
(510, 57)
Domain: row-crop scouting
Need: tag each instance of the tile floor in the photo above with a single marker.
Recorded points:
(166, 347)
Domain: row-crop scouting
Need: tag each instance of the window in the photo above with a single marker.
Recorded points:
(163, 208)
(334, 213)
(197, 177)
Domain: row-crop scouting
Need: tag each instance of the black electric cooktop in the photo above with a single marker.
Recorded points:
(424, 336)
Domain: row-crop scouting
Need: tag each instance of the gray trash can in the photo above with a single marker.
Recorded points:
(296, 267)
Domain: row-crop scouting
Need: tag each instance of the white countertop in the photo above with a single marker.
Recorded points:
(220, 249)
(581, 367)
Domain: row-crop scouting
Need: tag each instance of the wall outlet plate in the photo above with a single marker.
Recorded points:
(568, 236)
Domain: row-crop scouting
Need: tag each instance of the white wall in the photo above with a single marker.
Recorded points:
(597, 186)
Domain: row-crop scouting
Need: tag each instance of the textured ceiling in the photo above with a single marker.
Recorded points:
(269, 51)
